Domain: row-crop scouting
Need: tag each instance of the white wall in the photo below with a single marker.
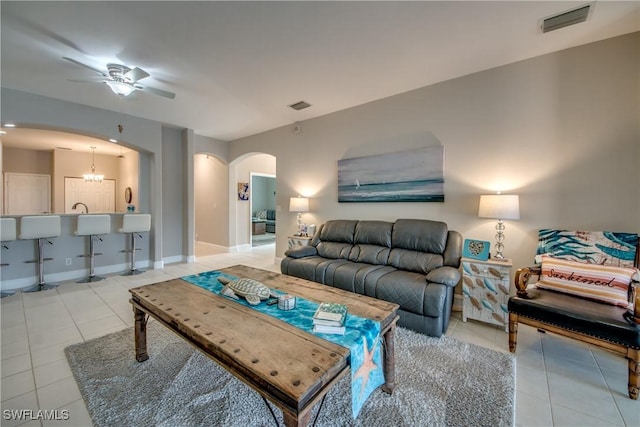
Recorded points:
(128, 178)
(212, 200)
(173, 183)
(561, 130)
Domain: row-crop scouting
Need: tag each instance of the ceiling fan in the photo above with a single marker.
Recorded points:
(122, 80)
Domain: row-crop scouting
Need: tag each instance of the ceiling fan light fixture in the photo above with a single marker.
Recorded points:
(120, 88)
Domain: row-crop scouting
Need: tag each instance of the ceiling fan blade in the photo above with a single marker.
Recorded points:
(85, 65)
(136, 74)
(156, 91)
(96, 80)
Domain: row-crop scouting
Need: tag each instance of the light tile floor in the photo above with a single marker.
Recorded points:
(559, 382)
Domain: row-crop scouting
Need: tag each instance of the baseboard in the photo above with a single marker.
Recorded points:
(66, 276)
(174, 259)
(212, 245)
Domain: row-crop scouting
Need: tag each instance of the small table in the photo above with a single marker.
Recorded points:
(290, 367)
(258, 227)
(299, 241)
(486, 286)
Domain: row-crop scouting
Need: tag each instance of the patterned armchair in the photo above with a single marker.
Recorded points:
(586, 289)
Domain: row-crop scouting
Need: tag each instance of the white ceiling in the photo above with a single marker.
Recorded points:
(235, 66)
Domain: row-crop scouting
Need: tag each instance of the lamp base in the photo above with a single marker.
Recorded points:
(499, 240)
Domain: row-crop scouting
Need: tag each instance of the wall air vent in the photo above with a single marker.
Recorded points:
(565, 19)
(300, 105)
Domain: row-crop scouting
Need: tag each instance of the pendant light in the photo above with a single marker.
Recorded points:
(93, 177)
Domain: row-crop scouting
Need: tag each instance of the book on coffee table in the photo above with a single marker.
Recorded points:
(330, 314)
(324, 329)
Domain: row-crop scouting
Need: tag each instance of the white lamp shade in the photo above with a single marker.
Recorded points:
(298, 204)
(499, 206)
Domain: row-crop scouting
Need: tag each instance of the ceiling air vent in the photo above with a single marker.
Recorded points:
(300, 105)
(565, 19)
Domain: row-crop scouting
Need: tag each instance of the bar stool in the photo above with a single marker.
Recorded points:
(92, 226)
(7, 234)
(134, 224)
(40, 228)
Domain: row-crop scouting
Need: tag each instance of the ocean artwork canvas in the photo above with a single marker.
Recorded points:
(405, 176)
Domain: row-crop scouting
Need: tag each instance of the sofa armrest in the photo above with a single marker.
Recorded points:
(522, 277)
(301, 251)
(448, 276)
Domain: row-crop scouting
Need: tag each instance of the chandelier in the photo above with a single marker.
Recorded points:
(93, 177)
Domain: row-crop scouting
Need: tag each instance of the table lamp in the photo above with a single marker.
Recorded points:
(500, 207)
(299, 205)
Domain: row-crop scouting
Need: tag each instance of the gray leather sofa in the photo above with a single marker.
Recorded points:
(413, 263)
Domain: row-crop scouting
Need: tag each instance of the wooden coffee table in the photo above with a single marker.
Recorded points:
(289, 367)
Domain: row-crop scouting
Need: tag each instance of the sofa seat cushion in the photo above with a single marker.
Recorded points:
(369, 254)
(417, 262)
(334, 250)
(312, 268)
(603, 321)
(349, 276)
(409, 290)
(305, 268)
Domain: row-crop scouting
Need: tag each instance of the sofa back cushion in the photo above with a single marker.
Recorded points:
(340, 231)
(418, 245)
(420, 235)
(373, 233)
(336, 239)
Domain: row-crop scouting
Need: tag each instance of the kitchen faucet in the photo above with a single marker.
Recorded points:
(82, 204)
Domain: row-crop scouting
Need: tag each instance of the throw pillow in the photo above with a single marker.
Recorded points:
(593, 281)
(261, 214)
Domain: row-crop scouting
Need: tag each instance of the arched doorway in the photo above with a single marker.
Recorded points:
(241, 211)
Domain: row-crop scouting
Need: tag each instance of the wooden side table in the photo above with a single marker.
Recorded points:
(485, 288)
(258, 227)
(299, 241)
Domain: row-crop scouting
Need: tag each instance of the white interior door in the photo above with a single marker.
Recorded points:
(100, 197)
(27, 193)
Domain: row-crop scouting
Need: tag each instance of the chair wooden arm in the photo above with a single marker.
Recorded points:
(522, 279)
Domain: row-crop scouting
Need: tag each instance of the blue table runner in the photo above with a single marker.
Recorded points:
(362, 336)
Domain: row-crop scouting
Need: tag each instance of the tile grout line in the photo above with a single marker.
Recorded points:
(33, 369)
